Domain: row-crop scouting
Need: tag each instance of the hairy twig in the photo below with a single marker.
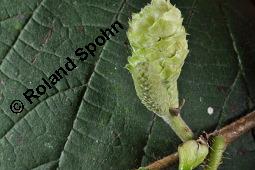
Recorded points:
(164, 163)
(230, 133)
(234, 130)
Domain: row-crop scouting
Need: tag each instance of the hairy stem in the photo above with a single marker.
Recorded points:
(217, 149)
(230, 133)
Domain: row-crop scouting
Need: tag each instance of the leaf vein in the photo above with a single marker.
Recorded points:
(18, 37)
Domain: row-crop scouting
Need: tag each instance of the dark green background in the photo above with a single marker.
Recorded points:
(93, 119)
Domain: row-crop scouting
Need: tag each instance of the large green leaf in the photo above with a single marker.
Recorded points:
(93, 119)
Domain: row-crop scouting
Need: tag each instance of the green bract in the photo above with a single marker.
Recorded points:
(191, 154)
(159, 48)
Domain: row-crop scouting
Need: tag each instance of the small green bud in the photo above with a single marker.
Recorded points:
(191, 154)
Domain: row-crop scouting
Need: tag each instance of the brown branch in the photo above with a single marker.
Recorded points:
(230, 132)
(164, 163)
(234, 130)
